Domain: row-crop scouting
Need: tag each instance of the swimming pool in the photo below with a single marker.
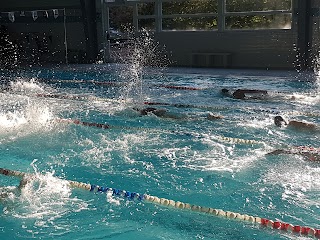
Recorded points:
(192, 159)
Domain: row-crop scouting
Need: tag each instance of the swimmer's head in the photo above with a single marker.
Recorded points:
(145, 111)
(278, 120)
(224, 91)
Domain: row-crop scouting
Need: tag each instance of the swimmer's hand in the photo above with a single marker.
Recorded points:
(211, 117)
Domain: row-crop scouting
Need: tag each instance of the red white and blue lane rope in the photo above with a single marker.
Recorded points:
(281, 226)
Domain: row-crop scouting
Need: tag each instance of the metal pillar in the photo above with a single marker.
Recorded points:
(304, 42)
(88, 8)
(105, 31)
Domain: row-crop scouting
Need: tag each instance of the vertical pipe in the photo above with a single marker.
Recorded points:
(158, 13)
(221, 14)
(105, 31)
(65, 35)
(304, 41)
(88, 8)
(135, 18)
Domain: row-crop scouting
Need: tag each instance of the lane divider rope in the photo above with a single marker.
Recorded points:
(239, 140)
(281, 226)
(86, 98)
(186, 105)
(98, 125)
(108, 126)
(119, 84)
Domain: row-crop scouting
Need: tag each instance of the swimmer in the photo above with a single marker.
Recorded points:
(245, 93)
(213, 117)
(309, 153)
(8, 192)
(163, 113)
(298, 125)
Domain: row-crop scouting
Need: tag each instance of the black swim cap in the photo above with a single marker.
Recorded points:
(224, 90)
(145, 111)
(278, 121)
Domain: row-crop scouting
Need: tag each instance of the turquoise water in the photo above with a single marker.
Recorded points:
(181, 159)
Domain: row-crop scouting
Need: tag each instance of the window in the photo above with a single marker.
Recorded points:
(190, 15)
(258, 14)
(189, 7)
(204, 15)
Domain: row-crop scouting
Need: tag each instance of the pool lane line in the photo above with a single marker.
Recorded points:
(98, 125)
(86, 98)
(120, 84)
(238, 140)
(108, 126)
(134, 196)
(185, 105)
(78, 97)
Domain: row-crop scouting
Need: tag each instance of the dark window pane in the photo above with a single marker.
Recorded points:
(189, 7)
(190, 24)
(146, 8)
(148, 24)
(278, 21)
(257, 5)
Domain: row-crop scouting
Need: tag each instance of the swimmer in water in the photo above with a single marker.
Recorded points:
(163, 113)
(245, 93)
(297, 125)
(255, 94)
(8, 192)
(309, 153)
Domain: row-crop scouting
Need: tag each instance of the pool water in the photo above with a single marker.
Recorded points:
(185, 159)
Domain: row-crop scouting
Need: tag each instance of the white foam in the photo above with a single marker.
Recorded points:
(300, 181)
(27, 86)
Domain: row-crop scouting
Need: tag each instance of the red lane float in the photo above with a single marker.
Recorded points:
(289, 227)
(179, 87)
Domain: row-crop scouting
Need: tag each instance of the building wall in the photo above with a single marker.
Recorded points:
(248, 48)
(256, 49)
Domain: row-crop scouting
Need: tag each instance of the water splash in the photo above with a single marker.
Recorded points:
(27, 86)
(144, 52)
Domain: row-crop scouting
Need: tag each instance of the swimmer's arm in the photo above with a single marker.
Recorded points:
(279, 151)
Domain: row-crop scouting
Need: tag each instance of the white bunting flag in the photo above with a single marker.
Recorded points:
(34, 15)
(11, 16)
(55, 13)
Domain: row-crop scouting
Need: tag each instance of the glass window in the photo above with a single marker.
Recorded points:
(189, 23)
(275, 21)
(146, 8)
(147, 24)
(189, 7)
(257, 5)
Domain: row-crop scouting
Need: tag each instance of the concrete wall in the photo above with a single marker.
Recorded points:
(257, 49)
